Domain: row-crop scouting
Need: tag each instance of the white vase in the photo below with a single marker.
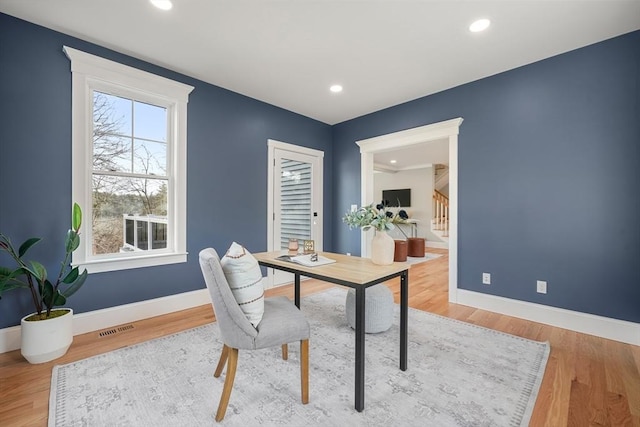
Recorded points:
(382, 248)
(45, 340)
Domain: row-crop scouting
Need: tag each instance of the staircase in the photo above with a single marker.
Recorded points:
(440, 221)
(441, 178)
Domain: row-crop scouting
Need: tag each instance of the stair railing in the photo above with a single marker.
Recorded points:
(441, 213)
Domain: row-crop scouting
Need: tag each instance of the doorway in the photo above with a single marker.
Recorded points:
(448, 130)
(295, 197)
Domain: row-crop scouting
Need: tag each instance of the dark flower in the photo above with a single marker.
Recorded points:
(403, 214)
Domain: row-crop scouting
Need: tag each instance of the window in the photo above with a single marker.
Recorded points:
(129, 164)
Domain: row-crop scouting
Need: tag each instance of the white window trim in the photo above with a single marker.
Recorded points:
(91, 72)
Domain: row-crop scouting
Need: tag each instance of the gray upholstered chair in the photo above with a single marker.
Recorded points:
(281, 323)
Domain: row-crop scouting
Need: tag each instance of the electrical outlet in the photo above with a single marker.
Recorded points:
(486, 278)
(541, 286)
(354, 208)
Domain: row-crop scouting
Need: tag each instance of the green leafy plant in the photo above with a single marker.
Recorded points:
(370, 216)
(377, 217)
(32, 275)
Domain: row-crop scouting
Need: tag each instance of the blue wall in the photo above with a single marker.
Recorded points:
(227, 167)
(548, 173)
(549, 177)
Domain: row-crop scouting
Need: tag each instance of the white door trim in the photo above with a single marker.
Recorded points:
(317, 189)
(449, 130)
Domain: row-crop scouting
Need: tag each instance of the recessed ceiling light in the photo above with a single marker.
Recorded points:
(393, 162)
(336, 88)
(162, 4)
(479, 25)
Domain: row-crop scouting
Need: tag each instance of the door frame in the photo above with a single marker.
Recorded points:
(317, 188)
(448, 130)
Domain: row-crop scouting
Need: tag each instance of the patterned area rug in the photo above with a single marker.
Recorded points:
(459, 375)
(428, 256)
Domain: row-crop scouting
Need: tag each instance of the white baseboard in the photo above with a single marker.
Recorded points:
(605, 327)
(113, 316)
(9, 339)
(438, 245)
(619, 330)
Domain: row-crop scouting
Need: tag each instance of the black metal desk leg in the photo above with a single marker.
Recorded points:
(404, 312)
(297, 289)
(360, 316)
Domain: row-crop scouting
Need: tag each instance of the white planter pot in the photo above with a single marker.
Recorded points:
(382, 248)
(45, 340)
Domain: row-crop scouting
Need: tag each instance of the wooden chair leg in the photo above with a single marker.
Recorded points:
(285, 352)
(228, 383)
(222, 361)
(304, 370)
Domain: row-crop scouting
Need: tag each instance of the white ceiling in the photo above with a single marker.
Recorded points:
(413, 157)
(289, 52)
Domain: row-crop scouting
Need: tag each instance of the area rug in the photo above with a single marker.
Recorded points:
(458, 375)
(428, 256)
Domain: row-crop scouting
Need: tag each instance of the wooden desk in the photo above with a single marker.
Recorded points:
(358, 273)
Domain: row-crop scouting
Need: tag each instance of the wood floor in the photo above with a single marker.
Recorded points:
(589, 381)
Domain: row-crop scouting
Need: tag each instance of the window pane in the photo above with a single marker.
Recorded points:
(112, 114)
(113, 146)
(143, 235)
(150, 122)
(112, 133)
(111, 153)
(118, 201)
(159, 235)
(130, 232)
(150, 158)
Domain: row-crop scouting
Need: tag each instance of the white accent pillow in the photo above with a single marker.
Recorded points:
(245, 280)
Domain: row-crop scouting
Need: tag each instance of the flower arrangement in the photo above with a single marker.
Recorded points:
(377, 217)
(370, 216)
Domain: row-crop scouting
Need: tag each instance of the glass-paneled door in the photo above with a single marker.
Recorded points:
(297, 203)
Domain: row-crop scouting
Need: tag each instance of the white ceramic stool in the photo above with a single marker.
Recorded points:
(378, 309)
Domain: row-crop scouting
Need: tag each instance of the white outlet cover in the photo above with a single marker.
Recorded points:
(486, 278)
(541, 286)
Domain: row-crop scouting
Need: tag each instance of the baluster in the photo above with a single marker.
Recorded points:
(446, 221)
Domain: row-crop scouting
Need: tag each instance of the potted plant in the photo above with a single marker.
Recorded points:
(47, 333)
(382, 220)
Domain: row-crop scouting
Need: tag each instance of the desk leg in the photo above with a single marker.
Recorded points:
(297, 289)
(404, 312)
(360, 314)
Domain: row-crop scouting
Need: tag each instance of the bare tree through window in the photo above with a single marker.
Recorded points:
(129, 171)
